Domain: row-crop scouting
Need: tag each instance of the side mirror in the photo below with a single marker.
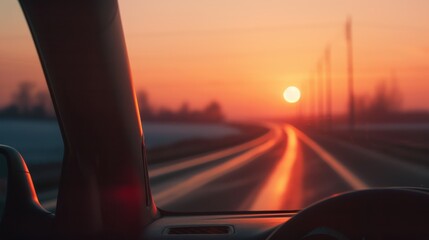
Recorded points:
(21, 214)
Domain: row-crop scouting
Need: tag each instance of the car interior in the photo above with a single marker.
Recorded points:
(104, 190)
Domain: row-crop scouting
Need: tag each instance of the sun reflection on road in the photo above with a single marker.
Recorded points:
(271, 196)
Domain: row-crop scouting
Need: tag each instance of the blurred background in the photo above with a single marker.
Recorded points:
(213, 75)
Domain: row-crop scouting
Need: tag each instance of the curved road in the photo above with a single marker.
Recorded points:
(284, 169)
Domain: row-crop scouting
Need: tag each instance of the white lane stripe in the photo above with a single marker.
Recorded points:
(50, 202)
(191, 162)
(175, 192)
(334, 163)
(271, 195)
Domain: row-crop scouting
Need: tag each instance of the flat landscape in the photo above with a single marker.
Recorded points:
(263, 166)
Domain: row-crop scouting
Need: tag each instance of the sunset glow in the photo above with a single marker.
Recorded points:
(185, 52)
(217, 107)
(291, 94)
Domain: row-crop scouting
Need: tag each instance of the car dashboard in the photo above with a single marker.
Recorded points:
(231, 226)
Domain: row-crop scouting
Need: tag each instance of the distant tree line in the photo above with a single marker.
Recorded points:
(29, 103)
(386, 100)
(211, 113)
(385, 105)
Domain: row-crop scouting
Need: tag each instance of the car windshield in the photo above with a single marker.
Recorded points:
(250, 105)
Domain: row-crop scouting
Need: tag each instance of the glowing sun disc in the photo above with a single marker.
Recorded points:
(292, 94)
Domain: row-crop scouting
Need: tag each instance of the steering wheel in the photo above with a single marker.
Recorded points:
(391, 213)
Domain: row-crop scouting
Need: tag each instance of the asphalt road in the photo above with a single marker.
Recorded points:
(285, 169)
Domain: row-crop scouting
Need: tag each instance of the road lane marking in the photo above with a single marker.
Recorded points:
(183, 188)
(407, 168)
(195, 161)
(271, 196)
(334, 163)
(51, 202)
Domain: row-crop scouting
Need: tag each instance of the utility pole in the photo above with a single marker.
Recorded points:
(300, 103)
(320, 89)
(313, 99)
(350, 73)
(328, 88)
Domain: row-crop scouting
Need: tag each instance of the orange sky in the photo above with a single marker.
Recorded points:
(243, 53)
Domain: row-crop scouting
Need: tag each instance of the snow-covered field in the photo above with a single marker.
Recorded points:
(41, 142)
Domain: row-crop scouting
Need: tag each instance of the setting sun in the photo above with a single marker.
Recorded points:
(292, 94)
